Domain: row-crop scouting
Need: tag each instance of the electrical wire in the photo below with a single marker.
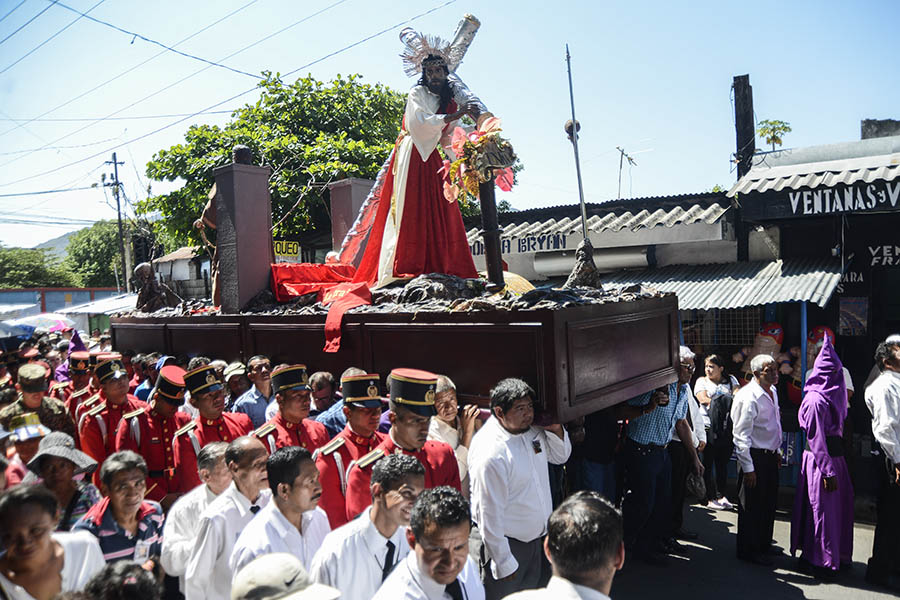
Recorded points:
(60, 147)
(129, 70)
(152, 41)
(25, 24)
(185, 78)
(88, 187)
(36, 48)
(135, 118)
(225, 101)
(13, 9)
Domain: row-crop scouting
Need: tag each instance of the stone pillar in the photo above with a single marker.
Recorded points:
(347, 195)
(243, 230)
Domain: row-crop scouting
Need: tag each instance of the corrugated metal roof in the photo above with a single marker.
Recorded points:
(819, 174)
(736, 285)
(644, 219)
(105, 306)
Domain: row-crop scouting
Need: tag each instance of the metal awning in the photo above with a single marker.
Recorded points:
(811, 175)
(741, 284)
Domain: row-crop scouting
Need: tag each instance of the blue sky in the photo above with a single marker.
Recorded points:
(652, 77)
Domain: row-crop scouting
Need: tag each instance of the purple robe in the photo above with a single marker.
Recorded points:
(822, 523)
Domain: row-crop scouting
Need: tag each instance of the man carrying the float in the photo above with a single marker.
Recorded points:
(415, 230)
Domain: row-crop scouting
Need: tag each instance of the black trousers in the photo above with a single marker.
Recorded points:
(756, 505)
(886, 546)
(715, 461)
(680, 466)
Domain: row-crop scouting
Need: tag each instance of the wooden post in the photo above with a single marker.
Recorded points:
(491, 233)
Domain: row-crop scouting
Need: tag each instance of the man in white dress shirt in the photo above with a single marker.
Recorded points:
(883, 400)
(292, 522)
(585, 548)
(208, 574)
(183, 520)
(358, 556)
(757, 443)
(511, 489)
(439, 566)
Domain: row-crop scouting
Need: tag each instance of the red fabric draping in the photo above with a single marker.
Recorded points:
(291, 280)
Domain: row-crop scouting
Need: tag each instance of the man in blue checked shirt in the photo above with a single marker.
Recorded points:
(647, 506)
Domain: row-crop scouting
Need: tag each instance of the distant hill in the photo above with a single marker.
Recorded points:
(57, 246)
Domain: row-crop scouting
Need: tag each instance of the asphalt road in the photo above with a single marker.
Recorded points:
(713, 572)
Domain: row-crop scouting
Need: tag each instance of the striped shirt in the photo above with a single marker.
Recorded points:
(86, 496)
(118, 544)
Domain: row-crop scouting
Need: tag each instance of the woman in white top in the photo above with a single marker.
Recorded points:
(715, 391)
(38, 564)
(454, 427)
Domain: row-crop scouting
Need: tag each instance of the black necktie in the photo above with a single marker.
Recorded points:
(454, 590)
(388, 561)
(254, 509)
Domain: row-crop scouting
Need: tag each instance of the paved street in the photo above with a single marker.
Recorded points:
(713, 572)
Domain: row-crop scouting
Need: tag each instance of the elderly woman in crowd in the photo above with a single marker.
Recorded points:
(39, 563)
(127, 526)
(453, 427)
(57, 463)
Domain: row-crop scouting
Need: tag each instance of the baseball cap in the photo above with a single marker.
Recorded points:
(278, 576)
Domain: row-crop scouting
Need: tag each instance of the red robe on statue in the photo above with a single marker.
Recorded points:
(416, 230)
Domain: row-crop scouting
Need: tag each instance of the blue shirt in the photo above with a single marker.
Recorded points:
(657, 427)
(333, 418)
(142, 392)
(253, 404)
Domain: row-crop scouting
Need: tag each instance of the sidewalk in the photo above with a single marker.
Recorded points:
(713, 572)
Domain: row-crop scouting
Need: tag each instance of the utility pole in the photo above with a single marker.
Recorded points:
(572, 130)
(622, 157)
(745, 130)
(115, 185)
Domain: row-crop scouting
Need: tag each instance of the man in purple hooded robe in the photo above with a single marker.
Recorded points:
(822, 525)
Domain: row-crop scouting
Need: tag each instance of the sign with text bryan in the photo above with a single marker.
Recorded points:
(861, 197)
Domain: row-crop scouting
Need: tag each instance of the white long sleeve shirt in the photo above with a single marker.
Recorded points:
(180, 533)
(408, 582)
(698, 431)
(883, 400)
(352, 557)
(440, 431)
(208, 574)
(510, 487)
(559, 589)
(270, 531)
(757, 422)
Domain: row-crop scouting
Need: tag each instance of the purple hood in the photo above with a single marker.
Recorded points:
(827, 379)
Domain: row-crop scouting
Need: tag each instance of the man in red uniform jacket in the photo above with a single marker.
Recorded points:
(412, 406)
(151, 432)
(211, 425)
(362, 407)
(98, 425)
(80, 378)
(290, 426)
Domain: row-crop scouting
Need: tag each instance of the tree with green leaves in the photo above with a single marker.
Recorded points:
(310, 133)
(773, 131)
(93, 254)
(31, 267)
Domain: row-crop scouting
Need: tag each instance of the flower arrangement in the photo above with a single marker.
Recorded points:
(481, 154)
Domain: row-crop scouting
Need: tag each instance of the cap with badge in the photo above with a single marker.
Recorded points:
(361, 390)
(292, 377)
(234, 369)
(33, 378)
(414, 390)
(202, 380)
(27, 426)
(278, 576)
(170, 385)
(80, 362)
(110, 367)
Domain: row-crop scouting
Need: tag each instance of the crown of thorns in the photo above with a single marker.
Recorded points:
(419, 47)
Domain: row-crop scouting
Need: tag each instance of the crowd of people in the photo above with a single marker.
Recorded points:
(152, 476)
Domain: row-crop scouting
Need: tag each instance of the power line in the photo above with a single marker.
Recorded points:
(152, 41)
(13, 9)
(59, 147)
(129, 70)
(135, 118)
(183, 79)
(25, 24)
(227, 100)
(87, 187)
(35, 49)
